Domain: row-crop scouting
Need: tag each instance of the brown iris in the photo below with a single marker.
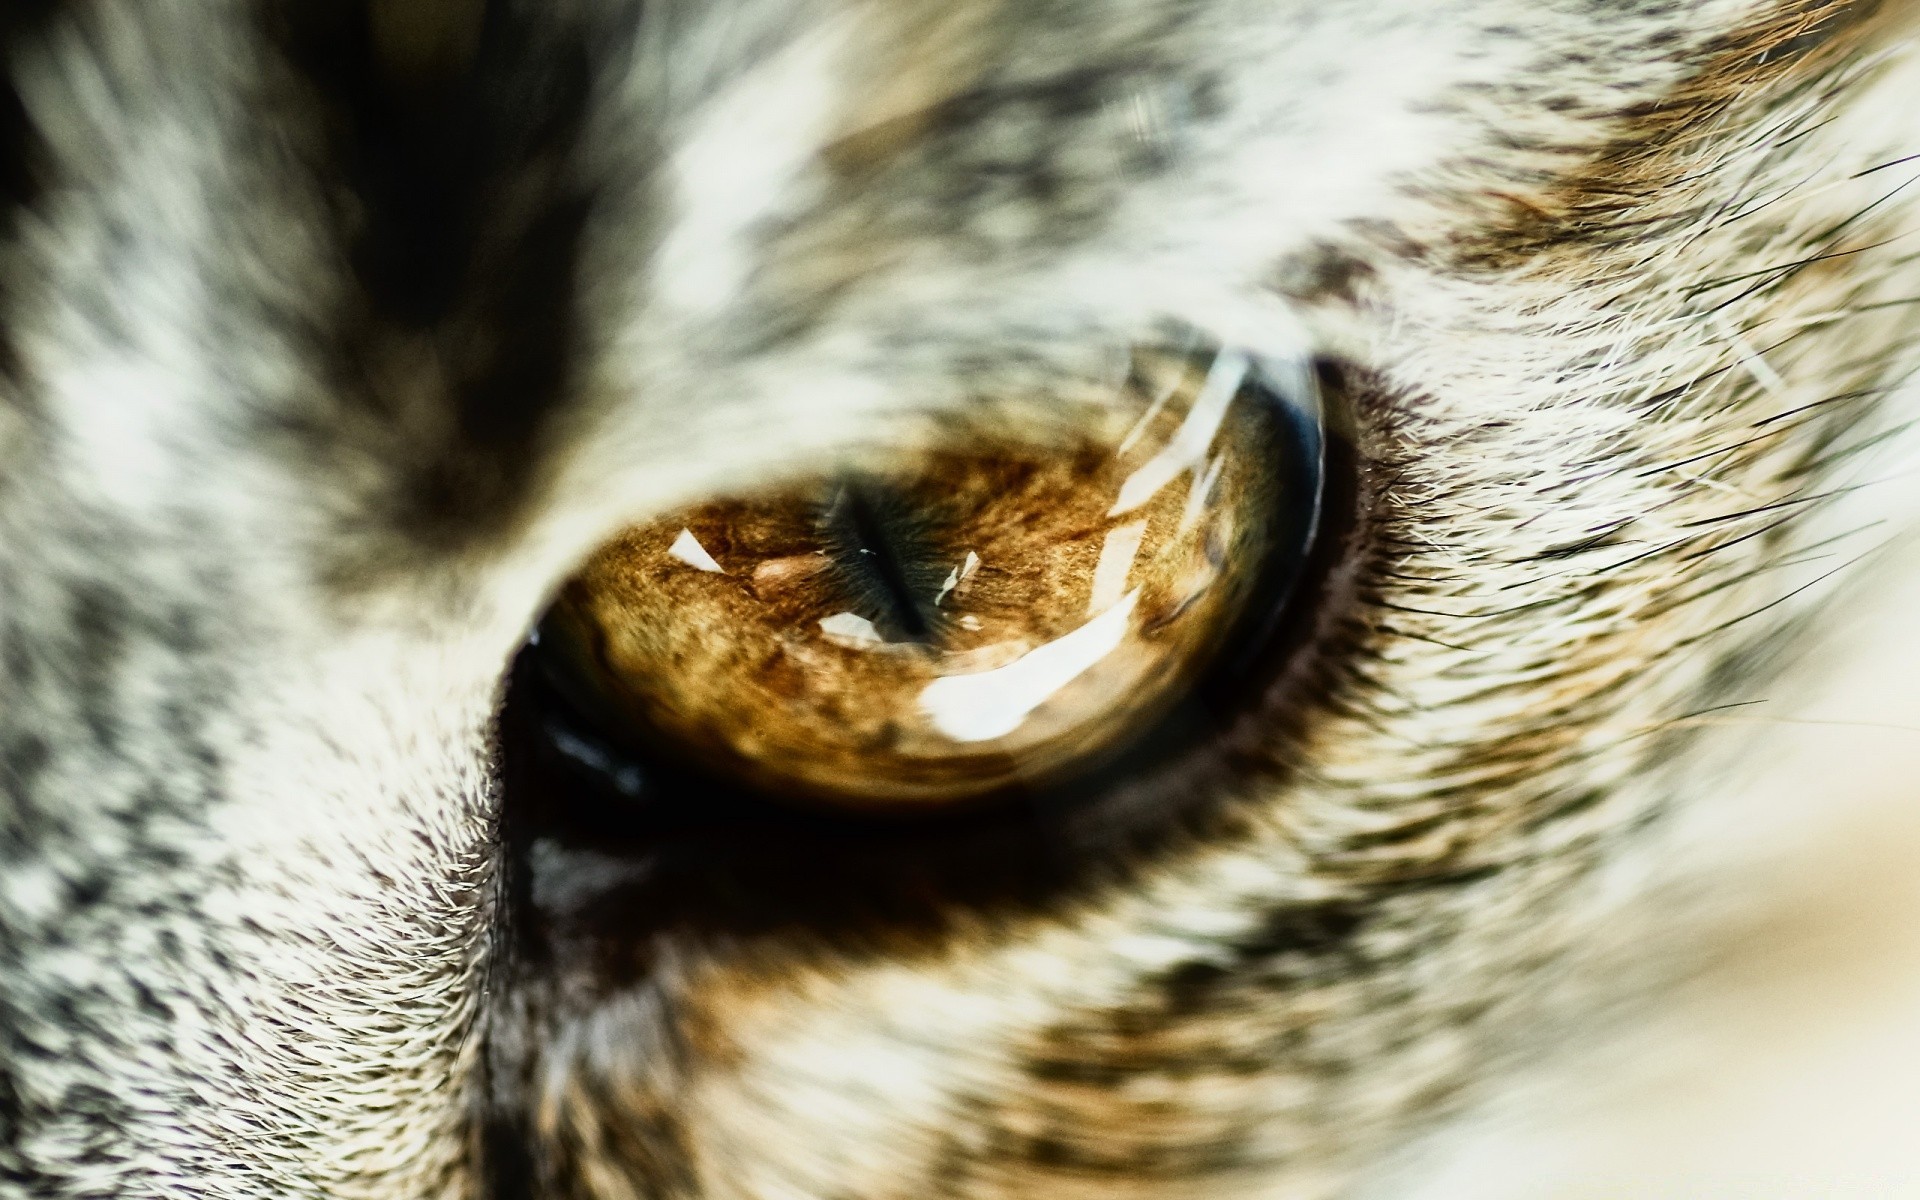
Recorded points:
(985, 616)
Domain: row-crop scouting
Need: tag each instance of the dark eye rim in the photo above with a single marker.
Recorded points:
(725, 859)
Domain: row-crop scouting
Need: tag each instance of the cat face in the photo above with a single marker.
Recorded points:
(747, 352)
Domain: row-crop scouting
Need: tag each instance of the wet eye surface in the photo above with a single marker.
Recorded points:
(981, 620)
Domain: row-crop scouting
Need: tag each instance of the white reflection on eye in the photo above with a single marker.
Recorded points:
(1190, 443)
(1117, 552)
(1201, 491)
(992, 704)
(850, 629)
(687, 549)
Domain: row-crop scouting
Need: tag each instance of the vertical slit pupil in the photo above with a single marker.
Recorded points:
(885, 557)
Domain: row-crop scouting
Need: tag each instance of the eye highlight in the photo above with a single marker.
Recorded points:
(982, 618)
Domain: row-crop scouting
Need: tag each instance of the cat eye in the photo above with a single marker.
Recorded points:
(983, 616)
